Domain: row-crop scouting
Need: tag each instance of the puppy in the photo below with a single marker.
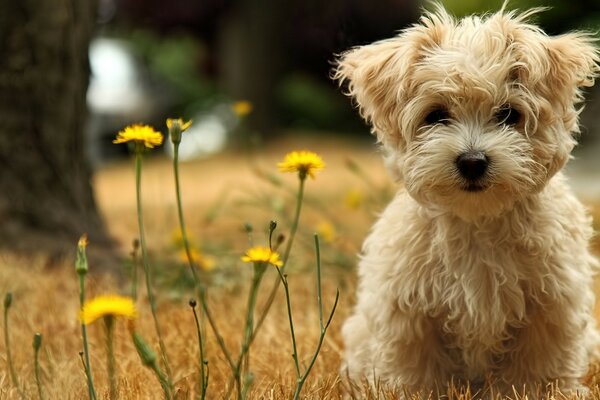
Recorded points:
(479, 269)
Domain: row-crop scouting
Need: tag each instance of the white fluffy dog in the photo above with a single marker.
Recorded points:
(479, 269)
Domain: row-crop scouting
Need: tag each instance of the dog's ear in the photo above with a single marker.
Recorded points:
(573, 61)
(557, 68)
(573, 65)
(377, 76)
(374, 76)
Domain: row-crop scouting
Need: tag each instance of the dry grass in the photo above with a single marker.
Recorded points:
(220, 194)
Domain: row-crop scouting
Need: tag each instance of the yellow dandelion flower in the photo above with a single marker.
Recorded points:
(204, 262)
(83, 241)
(177, 239)
(260, 254)
(178, 123)
(142, 134)
(110, 305)
(326, 232)
(354, 199)
(304, 162)
(242, 108)
(176, 128)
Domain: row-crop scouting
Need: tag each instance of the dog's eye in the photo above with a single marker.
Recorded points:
(437, 116)
(507, 115)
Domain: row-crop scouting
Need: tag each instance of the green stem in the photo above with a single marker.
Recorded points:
(203, 373)
(110, 356)
(319, 297)
(188, 253)
(134, 277)
(86, 351)
(36, 364)
(243, 358)
(145, 264)
(184, 237)
(213, 326)
(302, 380)
(283, 279)
(259, 271)
(286, 255)
(323, 327)
(162, 379)
(11, 366)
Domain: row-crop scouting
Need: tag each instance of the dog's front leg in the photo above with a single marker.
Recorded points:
(551, 351)
(385, 345)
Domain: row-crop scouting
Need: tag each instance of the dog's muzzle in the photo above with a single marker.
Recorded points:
(472, 166)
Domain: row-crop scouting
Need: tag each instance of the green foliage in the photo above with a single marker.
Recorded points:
(559, 16)
(177, 59)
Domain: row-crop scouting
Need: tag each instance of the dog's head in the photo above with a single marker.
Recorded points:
(476, 113)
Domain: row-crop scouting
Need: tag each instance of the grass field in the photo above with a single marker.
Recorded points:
(220, 195)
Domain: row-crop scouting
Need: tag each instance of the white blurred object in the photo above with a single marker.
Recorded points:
(207, 135)
(121, 91)
(115, 86)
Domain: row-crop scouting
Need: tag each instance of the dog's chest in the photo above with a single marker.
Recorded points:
(480, 294)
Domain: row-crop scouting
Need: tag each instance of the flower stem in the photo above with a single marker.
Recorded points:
(86, 351)
(145, 264)
(273, 292)
(110, 356)
(11, 366)
(203, 371)
(213, 326)
(323, 326)
(37, 343)
(148, 358)
(184, 237)
(283, 279)
(286, 255)
(134, 269)
(188, 253)
(243, 361)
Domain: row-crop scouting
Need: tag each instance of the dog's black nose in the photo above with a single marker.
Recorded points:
(472, 164)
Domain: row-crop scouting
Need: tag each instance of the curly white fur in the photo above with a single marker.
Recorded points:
(492, 285)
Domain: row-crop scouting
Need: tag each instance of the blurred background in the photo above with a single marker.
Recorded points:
(197, 59)
(248, 73)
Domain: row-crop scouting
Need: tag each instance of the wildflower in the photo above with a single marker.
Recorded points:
(111, 305)
(140, 134)
(177, 239)
(205, 263)
(242, 108)
(327, 232)
(262, 255)
(83, 241)
(176, 128)
(304, 162)
(354, 199)
(81, 264)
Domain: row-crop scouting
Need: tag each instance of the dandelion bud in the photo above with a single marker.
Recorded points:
(176, 128)
(8, 300)
(280, 239)
(193, 303)
(272, 226)
(81, 264)
(147, 355)
(248, 228)
(37, 341)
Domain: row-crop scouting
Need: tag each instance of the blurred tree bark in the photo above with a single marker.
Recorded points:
(250, 47)
(46, 199)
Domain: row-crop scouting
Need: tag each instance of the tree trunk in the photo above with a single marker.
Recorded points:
(251, 59)
(46, 199)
